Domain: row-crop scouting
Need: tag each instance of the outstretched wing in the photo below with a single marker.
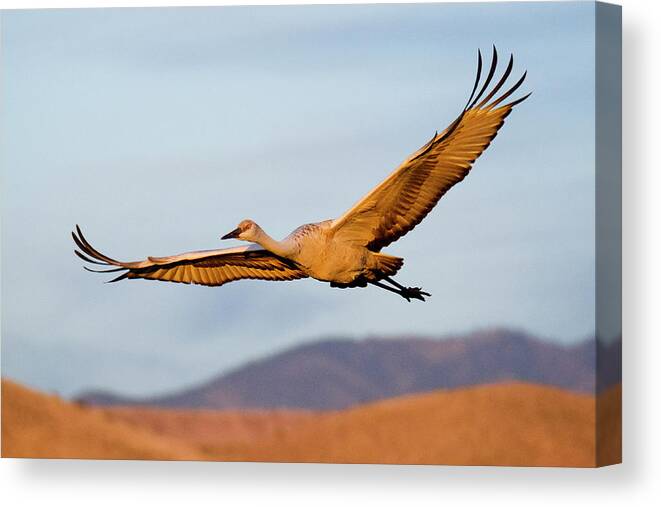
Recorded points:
(211, 267)
(403, 199)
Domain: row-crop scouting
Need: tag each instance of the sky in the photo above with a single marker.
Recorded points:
(158, 130)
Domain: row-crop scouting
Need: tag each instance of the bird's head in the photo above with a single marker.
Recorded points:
(247, 230)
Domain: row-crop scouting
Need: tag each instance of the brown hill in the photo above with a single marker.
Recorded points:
(506, 424)
(509, 424)
(337, 374)
(36, 425)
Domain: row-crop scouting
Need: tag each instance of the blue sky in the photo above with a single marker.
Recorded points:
(159, 129)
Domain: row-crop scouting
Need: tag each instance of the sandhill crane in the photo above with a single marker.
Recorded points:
(345, 251)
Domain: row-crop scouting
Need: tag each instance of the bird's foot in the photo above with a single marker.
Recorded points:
(409, 293)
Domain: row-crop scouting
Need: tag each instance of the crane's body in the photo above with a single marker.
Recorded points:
(345, 251)
(315, 250)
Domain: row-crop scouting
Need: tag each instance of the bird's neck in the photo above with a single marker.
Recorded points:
(272, 245)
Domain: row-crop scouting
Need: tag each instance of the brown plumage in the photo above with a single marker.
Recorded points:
(403, 199)
(346, 251)
(211, 268)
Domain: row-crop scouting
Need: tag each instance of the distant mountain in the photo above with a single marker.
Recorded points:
(335, 374)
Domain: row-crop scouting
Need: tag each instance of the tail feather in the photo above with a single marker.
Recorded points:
(386, 265)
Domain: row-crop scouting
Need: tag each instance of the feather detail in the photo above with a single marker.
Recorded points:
(403, 199)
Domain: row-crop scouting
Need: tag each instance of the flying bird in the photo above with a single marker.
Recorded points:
(346, 251)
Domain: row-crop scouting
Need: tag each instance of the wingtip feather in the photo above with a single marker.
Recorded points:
(492, 71)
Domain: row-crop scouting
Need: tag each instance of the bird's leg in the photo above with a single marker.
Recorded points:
(408, 292)
(398, 285)
(379, 284)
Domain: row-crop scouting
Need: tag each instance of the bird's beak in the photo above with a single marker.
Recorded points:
(235, 233)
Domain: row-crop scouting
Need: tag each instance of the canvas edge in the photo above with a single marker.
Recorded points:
(608, 232)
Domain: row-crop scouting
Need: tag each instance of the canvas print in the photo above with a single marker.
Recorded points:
(433, 188)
